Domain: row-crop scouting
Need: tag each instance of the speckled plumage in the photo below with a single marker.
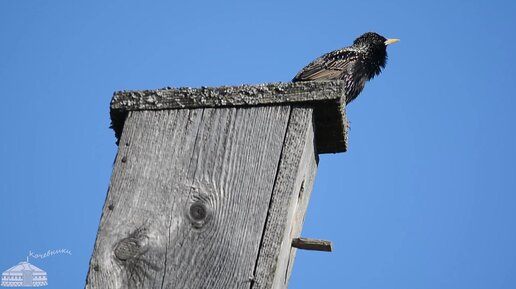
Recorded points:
(355, 64)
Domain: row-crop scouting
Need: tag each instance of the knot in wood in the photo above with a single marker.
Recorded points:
(128, 248)
(198, 213)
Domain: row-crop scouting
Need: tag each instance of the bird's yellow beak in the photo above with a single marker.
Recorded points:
(391, 41)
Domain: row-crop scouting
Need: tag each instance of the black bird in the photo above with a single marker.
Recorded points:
(355, 64)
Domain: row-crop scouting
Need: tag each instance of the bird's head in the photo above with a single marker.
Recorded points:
(375, 47)
(372, 39)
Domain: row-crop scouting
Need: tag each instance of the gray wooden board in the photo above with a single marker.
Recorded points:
(309, 170)
(327, 98)
(298, 165)
(188, 198)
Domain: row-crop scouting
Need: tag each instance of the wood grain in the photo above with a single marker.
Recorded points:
(296, 173)
(188, 198)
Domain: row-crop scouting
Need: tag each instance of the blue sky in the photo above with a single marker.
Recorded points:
(424, 198)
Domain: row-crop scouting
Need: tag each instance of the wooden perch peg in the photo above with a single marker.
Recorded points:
(312, 244)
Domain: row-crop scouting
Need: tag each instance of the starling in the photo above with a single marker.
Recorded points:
(355, 64)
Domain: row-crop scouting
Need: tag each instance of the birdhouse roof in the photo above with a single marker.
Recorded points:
(326, 97)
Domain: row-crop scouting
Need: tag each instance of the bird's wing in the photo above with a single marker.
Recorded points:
(329, 66)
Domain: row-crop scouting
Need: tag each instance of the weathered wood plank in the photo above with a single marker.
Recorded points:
(234, 166)
(298, 165)
(327, 97)
(188, 198)
(155, 147)
(242, 95)
(305, 191)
